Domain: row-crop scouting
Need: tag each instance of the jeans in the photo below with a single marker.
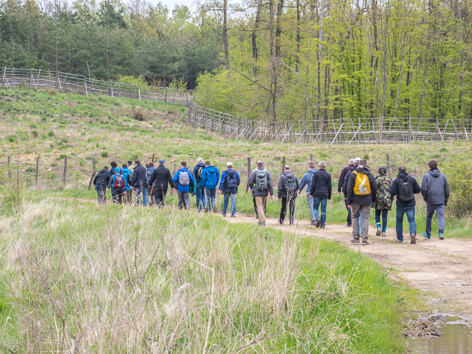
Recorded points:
(384, 213)
(309, 201)
(430, 208)
(410, 214)
(360, 212)
(184, 200)
(349, 212)
(316, 206)
(128, 197)
(138, 190)
(117, 195)
(232, 208)
(291, 209)
(102, 194)
(145, 195)
(261, 203)
(210, 196)
(160, 197)
(200, 197)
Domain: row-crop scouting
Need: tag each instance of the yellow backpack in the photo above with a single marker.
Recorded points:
(362, 185)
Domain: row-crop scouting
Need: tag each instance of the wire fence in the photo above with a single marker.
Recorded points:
(66, 82)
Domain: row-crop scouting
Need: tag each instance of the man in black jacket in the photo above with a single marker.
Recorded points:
(138, 180)
(101, 182)
(404, 187)
(342, 179)
(287, 193)
(361, 194)
(160, 180)
(320, 193)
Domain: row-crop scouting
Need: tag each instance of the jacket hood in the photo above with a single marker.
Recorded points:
(201, 164)
(103, 171)
(363, 169)
(312, 170)
(124, 169)
(230, 171)
(435, 173)
(117, 170)
(402, 174)
(382, 177)
(183, 169)
(211, 169)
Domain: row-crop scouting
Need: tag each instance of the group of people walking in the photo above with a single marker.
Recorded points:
(362, 191)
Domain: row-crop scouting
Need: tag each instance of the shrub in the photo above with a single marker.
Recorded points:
(52, 92)
(138, 116)
(172, 111)
(104, 154)
(366, 157)
(51, 134)
(11, 139)
(140, 80)
(459, 176)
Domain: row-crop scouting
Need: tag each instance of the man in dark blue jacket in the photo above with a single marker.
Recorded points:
(197, 173)
(306, 181)
(101, 182)
(138, 180)
(321, 189)
(229, 184)
(404, 187)
(209, 181)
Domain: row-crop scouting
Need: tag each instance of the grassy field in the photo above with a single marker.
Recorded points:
(122, 279)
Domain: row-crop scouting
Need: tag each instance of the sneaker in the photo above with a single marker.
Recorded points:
(281, 222)
(356, 240)
(318, 223)
(413, 239)
(383, 234)
(224, 215)
(349, 225)
(398, 241)
(263, 223)
(428, 237)
(365, 243)
(378, 232)
(441, 236)
(205, 210)
(313, 222)
(322, 226)
(233, 215)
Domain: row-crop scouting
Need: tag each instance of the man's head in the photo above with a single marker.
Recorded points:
(117, 170)
(311, 164)
(382, 171)
(105, 167)
(200, 160)
(130, 163)
(362, 162)
(229, 165)
(137, 162)
(113, 164)
(356, 161)
(402, 169)
(124, 165)
(287, 168)
(147, 164)
(322, 164)
(351, 162)
(433, 164)
(183, 164)
(151, 164)
(208, 163)
(260, 164)
(161, 162)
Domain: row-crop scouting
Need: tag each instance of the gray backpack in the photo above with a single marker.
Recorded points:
(261, 179)
(184, 179)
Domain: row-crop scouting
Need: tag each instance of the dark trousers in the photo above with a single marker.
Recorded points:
(255, 206)
(160, 197)
(117, 195)
(349, 213)
(384, 213)
(291, 208)
(102, 194)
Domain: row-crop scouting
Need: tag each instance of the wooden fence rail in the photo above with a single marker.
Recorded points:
(331, 131)
(66, 82)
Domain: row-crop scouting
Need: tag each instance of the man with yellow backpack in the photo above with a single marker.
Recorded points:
(361, 194)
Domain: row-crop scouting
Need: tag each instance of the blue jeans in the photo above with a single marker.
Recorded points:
(102, 194)
(410, 214)
(232, 207)
(210, 196)
(316, 206)
(145, 195)
(200, 198)
(430, 208)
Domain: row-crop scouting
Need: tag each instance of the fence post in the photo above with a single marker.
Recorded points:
(312, 157)
(37, 173)
(93, 173)
(139, 93)
(283, 164)
(65, 171)
(173, 174)
(135, 158)
(409, 129)
(388, 167)
(248, 172)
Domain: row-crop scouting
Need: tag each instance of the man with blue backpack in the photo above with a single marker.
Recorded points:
(148, 191)
(118, 186)
(209, 181)
(229, 184)
(306, 181)
(127, 197)
(197, 173)
(182, 180)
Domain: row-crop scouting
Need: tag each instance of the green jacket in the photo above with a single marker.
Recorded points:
(384, 198)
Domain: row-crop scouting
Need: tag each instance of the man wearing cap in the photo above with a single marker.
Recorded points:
(342, 177)
(229, 183)
(260, 183)
(321, 192)
(160, 180)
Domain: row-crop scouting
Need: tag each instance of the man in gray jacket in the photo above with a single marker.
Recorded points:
(260, 183)
(435, 191)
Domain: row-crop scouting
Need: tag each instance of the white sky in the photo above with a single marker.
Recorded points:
(171, 3)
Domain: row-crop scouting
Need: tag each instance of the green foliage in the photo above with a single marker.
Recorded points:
(178, 83)
(104, 154)
(459, 176)
(51, 134)
(140, 80)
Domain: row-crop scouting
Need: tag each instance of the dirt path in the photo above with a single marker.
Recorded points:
(440, 269)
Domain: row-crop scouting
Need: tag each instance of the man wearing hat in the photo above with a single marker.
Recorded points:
(260, 183)
(160, 180)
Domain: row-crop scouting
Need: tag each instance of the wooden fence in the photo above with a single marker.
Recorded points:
(66, 82)
(332, 131)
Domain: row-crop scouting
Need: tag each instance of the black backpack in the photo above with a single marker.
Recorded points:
(405, 189)
(290, 183)
(231, 180)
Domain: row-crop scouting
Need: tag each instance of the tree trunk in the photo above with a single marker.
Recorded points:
(254, 35)
(225, 32)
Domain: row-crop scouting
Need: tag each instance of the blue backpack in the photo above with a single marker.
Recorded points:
(311, 180)
(231, 179)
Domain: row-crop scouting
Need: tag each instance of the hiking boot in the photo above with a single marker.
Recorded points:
(365, 243)
(224, 215)
(205, 210)
(413, 239)
(263, 223)
(426, 236)
(318, 223)
(233, 215)
(441, 236)
(356, 240)
(349, 225)
(378, 232)
(383, 234)
(313, 222)
(398, 241)
(322, 226)
(281, 222)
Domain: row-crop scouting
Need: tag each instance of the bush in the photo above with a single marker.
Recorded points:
(140, 80)
(104, 154)
(52, 92)
(51, 134)
(138, 116)
(459, 176)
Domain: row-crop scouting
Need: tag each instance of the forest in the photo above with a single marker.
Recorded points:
(271, 60)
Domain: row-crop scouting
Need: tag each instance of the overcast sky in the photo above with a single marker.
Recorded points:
(171, 3)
